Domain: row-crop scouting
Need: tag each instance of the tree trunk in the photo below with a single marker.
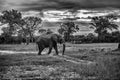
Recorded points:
(31, 37)
(67, 36)
(119, 46)
(25, 35)
(27, 41)
(99, 37)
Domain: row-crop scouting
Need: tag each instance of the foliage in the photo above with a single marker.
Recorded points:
(31, 25)
(113, 37)
(49, 31)
(102, 24)
(78, 39)
(68, 28)
(24, 27)
(12, 18)
(42, 30)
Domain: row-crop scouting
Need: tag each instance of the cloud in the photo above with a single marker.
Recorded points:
(1, 4)
(15, 4)
(57, 4)
(31, 13)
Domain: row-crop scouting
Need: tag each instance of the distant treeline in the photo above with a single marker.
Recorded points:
(113, 37)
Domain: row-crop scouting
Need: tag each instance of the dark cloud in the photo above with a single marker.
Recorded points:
(62, 4)
(72, 4)
(41, 4)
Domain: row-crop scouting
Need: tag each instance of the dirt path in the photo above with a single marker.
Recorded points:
(73, 60)
(61, 57)
(5, 52)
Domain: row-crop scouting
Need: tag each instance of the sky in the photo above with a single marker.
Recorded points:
(57, 4)
(57, 10)
(61, 7)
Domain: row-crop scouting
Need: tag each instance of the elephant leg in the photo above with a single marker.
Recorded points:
(50, 49)
(56, 49)
(40, 49)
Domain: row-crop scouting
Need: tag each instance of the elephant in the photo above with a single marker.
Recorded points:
(50, 41)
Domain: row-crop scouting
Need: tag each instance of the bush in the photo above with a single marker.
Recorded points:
(113, 37)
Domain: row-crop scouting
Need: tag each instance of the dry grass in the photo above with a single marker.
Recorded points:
(34, 67)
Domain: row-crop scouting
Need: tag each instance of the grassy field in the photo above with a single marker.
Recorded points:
(105, 63)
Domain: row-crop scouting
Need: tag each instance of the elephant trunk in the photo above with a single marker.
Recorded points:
(63, 48)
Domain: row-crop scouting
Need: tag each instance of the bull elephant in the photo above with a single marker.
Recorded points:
(50, 41)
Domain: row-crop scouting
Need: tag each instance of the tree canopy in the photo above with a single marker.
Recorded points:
(31, 25)
(12, 18)
(17, 24)
(102, 24)
(68, 28)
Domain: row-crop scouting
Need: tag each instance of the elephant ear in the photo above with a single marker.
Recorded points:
(55, 37)
(60, 39)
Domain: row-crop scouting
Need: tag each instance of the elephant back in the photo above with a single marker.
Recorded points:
(44, 37)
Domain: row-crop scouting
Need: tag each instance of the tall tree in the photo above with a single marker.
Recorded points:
(103, 23)
(31, 25)
(68, 28)
(12, 18)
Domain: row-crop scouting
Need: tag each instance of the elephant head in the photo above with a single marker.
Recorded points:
(59, 39)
